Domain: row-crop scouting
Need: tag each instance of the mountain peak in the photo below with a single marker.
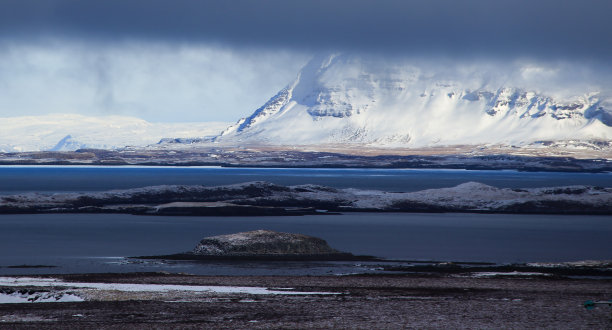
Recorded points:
(67, 143)
(343, 98)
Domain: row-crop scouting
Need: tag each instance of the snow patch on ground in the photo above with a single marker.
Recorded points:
(581, 263)
(38, 297)
(132, 287)
(515, 273)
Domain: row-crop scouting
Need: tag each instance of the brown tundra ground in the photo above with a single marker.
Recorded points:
(363, 301)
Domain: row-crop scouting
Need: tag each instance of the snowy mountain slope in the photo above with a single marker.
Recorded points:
(68, 144)
(350, 99)
(64, 132)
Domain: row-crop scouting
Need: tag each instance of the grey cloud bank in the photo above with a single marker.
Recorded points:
(186, 60)
(155, 82)
(549, 28)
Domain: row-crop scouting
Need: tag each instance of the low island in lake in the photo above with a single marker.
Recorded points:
(263, 198)
(262, 245)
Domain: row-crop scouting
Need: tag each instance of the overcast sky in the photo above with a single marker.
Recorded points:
(180, 60)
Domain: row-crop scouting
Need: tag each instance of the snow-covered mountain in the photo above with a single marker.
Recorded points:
(66, 132)
(346, 99)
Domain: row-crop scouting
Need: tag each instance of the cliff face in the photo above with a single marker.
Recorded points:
(262, 242)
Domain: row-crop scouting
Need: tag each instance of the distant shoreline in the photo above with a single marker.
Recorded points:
(282, 158)
(206, 165)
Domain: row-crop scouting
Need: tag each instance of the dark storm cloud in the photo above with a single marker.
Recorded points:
(554, 28)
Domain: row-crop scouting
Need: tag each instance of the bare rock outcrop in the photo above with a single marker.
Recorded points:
(263, 243)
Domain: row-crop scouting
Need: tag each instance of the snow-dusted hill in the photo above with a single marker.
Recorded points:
(356, 100)
(64, 132)
(243, 197)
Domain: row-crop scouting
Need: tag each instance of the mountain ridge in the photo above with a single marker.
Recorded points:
(346, 99)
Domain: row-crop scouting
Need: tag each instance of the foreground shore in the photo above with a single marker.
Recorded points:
(363, 301)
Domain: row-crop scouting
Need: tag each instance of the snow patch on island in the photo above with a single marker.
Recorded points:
(467, 197)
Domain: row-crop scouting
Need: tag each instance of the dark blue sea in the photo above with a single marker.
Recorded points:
(18, 179)
(78, 243)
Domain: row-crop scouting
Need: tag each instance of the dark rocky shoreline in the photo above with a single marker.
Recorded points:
(365, 301)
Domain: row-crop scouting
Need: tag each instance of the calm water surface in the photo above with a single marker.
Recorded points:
(19, 179)
(98, 243)
(95, 243)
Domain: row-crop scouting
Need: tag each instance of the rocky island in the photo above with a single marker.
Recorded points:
(262, 242)
(262, 245)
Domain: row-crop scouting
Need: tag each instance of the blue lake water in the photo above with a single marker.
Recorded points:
(95, 243)
(98, 243)
(18, 179)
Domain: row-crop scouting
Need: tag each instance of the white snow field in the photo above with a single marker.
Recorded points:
(68, 132)
(347, 99)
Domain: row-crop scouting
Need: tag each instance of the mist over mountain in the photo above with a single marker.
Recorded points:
(69, 132)
(351, 99)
